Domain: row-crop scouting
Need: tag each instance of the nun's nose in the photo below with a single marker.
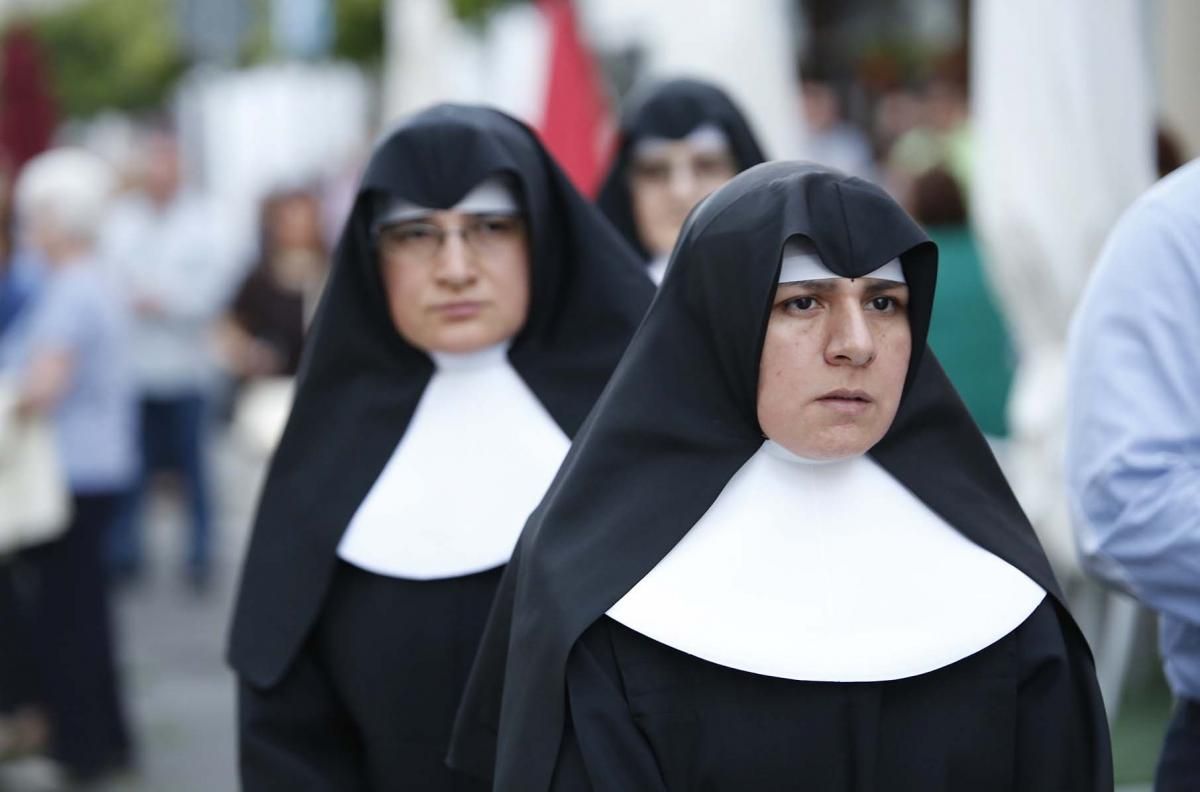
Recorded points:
(455, 262)
(850, 342)
(682, 184)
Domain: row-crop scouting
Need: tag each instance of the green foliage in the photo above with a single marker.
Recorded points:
(359, 31)
(475, 12)
(127, 55)
(120, 54)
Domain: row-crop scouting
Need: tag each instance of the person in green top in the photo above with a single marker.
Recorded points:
(967, 331)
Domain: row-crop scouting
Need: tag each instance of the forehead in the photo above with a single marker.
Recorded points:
(445, 217)
(842, 286)
(697, 144)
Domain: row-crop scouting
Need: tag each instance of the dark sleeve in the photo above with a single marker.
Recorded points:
(243, 305)
(602, 750)
(1062, 731)
(474, 738)
(296, 735)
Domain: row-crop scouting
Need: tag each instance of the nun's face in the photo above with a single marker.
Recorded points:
(667, 179)
(456, 282)
(833, 365)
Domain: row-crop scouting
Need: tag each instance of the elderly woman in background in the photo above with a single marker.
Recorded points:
(73, 371)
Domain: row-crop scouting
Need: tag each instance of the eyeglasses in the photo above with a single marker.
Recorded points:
(420, 241)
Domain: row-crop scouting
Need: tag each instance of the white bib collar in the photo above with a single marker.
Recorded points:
(826, 571)
(476, 458)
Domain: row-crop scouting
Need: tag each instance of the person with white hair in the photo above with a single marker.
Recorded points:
(73, 370)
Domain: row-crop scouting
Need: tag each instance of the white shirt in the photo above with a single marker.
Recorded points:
(177, 256)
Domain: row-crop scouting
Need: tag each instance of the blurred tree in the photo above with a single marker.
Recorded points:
(121, 54)
(358, 31)
(475, 12)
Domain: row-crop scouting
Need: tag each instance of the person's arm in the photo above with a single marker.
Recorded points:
(243, 354)
(46, 380)
(1133, 460)
(58, 331)
(296, 735)
(1062, 733)
(602, 749)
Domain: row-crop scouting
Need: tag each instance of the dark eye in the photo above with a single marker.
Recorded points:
(801, 304)
(709, 167)
(651, 171)
(884, 303)
(410, 233)
(496, 225)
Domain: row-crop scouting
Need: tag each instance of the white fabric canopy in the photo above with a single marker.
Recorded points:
(1063, 120)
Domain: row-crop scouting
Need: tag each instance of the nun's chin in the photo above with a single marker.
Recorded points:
(830, 443)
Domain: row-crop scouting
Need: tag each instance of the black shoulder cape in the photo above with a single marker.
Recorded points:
(671, 110)
(679, 419)
(360, 381)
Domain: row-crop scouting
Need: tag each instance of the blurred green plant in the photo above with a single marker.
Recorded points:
(126, 54)
(358, 31)
(475, 12)
(121, 54)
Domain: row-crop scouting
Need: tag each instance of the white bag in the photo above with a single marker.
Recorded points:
(35, 501)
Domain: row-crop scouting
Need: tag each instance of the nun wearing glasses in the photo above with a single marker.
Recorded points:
(780, 554)
(475, 309)
(679, 140)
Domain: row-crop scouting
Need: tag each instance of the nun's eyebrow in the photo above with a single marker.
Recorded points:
(826, 285)
(879, 286)
(822, 285)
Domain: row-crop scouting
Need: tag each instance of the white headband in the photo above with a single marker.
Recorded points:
(801, 263)
(706, 138)
(491, 196)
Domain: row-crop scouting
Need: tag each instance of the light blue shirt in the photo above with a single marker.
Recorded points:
(1133, 433)
(94, 421)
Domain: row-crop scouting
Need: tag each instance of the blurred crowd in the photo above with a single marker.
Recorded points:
(130, 329)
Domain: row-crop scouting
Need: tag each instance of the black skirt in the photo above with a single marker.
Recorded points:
(644, 716)
(370, 700)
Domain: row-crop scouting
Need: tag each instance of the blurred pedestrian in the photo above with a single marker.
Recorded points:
(967, 332)
(1133, 437)
(76, 372)
(165, 245)
(264, 329)
(832, 140)
(679, 140)
(20, 274)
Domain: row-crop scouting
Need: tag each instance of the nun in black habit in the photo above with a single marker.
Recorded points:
(679, 140)
(476, 307)
(780, 554)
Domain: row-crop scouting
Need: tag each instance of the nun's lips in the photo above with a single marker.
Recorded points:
(459, 309)
(849, 402)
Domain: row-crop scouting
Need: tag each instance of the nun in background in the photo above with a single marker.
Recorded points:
(679, 140)
(476, 308)
(780, 554)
